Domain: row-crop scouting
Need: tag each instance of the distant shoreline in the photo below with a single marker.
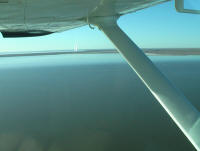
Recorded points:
(150, 52)
(173, 51)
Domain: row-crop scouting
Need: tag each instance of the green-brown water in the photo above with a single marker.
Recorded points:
(89, 102)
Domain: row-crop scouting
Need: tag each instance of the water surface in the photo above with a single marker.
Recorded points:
(89, 102)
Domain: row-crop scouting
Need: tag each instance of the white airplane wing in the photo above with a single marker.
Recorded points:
(23, 18)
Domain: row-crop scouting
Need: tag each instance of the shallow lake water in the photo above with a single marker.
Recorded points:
(89, 102)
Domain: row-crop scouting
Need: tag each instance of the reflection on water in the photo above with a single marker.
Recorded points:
(89, 102)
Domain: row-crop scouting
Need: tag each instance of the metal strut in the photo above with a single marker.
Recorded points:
(183, 113)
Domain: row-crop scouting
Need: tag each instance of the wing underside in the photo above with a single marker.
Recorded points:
(49, 16)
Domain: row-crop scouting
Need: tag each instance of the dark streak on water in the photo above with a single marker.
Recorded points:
(89, 102)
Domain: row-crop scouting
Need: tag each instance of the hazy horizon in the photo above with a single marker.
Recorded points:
(150, 52)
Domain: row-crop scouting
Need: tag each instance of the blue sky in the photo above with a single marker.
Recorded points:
(156, 27)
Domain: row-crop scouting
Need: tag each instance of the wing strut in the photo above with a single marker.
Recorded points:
(183, 113)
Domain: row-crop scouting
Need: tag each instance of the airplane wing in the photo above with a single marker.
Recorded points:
(27, 18)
